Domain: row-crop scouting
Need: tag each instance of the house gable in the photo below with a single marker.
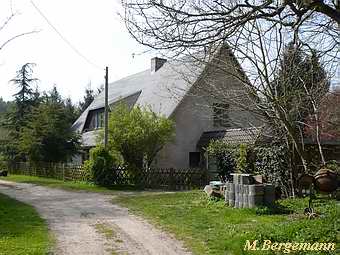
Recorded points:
(195, 114)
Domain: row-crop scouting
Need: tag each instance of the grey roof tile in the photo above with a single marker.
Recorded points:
(161, 91)
(233, 136)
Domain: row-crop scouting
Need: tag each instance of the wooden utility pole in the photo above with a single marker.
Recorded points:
(106, 113)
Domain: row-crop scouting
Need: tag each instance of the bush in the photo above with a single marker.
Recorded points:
(333, 165)
(272, 163)
(100, 167)
(232, 157)
(138, 134)
(225, 156)
(241, 161)
(3, 163)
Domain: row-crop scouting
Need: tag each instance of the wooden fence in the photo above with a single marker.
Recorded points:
(60, 171)
(151, 178)
(160, 178)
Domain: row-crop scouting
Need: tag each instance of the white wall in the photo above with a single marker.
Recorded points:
(194, 115)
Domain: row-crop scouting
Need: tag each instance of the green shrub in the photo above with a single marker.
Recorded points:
(3, 163)
(272, 163)
(100, 167)
(225, 156)
(231, 158)
(241, 161)
(333, 165)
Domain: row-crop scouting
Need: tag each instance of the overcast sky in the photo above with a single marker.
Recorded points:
(93, 27)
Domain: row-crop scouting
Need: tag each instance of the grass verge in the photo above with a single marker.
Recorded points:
(210, 227)
(67, 185)
(22, 231)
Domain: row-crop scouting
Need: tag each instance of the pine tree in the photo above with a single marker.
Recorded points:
(16, 118)
(300, 77)
(47, 135)
(88, 99)
(72, 112)
(300, 86)
(25, 98)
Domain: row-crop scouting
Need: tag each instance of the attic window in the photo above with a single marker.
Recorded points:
(157, 63)
(221, 116)
(95, 120)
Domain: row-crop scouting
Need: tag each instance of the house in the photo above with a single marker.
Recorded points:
(194, 95)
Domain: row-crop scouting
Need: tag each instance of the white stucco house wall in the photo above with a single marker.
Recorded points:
(186, 92)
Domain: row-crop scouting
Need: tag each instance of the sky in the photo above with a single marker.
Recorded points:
(94, 28)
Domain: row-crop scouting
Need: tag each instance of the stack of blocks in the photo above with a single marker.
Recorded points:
(242, 193)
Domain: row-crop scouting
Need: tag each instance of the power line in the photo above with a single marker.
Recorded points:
(64, 38)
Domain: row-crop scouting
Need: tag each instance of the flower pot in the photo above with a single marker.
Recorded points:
(326, 180)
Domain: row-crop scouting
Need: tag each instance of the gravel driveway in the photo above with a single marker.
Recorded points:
(89, 223)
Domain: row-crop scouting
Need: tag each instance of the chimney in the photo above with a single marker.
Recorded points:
(157, 63)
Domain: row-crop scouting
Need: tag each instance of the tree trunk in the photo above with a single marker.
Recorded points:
(291, 132)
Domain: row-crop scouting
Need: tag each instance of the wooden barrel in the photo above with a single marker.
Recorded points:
(326, 180)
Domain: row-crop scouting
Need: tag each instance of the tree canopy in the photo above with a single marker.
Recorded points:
(87, 100)
(257, 34)
(37, 125)
(47, 135)
(138, 134)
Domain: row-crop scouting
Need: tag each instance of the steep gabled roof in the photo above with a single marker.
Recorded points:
(161, 90)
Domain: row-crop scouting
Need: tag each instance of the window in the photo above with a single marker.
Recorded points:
(221, 116)
(194, 159)
(95, 120)
(100, 120)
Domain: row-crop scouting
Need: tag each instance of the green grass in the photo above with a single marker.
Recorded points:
(210, 227)
(22, 231)
(68, 185)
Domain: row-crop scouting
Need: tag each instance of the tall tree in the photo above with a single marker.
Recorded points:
(16, 118)
(4, 106)
(47, 135)
(25, 98)
(300, 86)
(88, 99)
(72, 112)
(329, 118)
(254, 31)
(53, 96)
(183, 24)
(5, 23)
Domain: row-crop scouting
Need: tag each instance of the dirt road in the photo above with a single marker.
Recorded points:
(89, 223)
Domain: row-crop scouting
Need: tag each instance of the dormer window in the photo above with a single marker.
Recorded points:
(221, 115)
(95, 120)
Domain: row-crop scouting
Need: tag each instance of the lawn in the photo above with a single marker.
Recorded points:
(67, 185)
(22, 231)
(210, 227)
